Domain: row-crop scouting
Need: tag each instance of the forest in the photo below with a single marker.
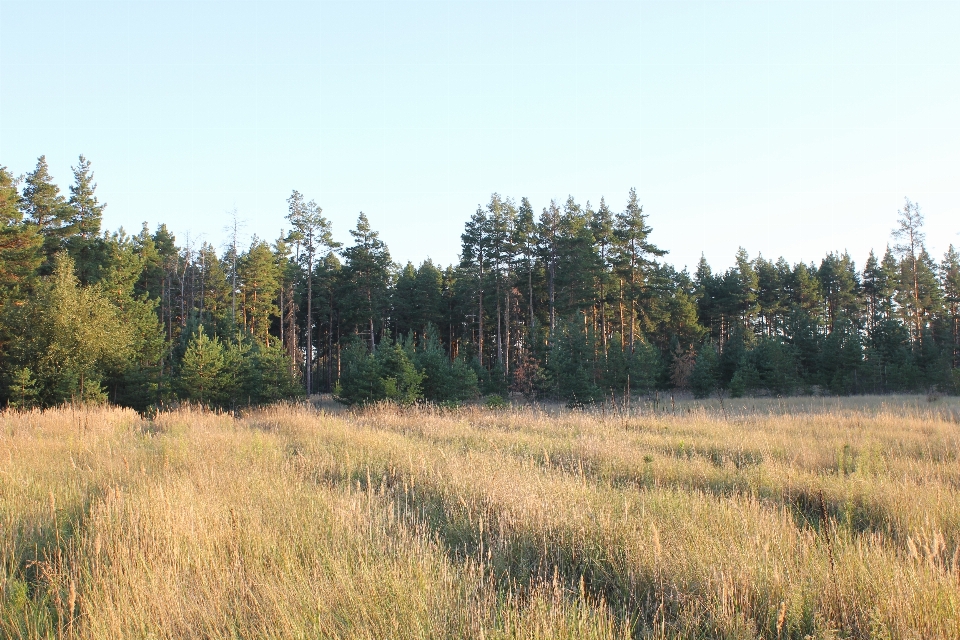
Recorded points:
(575, 303)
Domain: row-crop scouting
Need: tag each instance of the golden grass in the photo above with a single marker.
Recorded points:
(765, 518)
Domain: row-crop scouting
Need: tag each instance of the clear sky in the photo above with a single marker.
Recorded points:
(788, 127)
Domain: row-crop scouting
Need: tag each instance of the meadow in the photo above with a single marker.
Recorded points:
(763, 518)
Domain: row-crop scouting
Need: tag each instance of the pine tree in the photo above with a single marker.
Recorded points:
(360, 376)
(704, 379)
(950, 281)
(202, 369)
(46, 208)
(873, 293)
(417, 299)
(260, 289)
(71, 337)
(548, 245)
(841, 287)
(214, 295)
(570, 365)
(475, 260)
(707, 294)
(601, 225)
(19, 243)
(405, 303)
(742, 283)
(287, 273)
(501, 215)
(135, 382)
(400, 381)
(525, 241)
(82, 229)
(367, 275)
(329, 296)
(578, 267)
(908, 233)
(23, 389)
(634, 253)
(310, 232)
(804, 289)
(444, 381)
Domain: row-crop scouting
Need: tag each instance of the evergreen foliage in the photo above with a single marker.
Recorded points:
(705, 378)
(387, 374)
(575, 305)
(444, 381)
(203, 370)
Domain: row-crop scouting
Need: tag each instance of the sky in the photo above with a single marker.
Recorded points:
(790, 128)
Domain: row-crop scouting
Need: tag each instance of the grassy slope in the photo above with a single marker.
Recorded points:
(764, 519)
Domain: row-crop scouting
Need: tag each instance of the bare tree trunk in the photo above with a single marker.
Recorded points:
(633, 301)
(623, 327)
(373, 342)
(480, 316)
(203, 280)
(499, 322)
(603, 319)
(916, 289)
(530, 288)
(291, 321)
(553, 297)
(480, 328)
(330, 347)
(507, 328)
(183, 282)
(309, 322)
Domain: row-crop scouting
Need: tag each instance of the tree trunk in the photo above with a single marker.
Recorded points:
(530, 288)
(480, 326)
(507, 329)
(373, 340)
(499, 322)
(633, 301)
(330, 347)
(553, 318)
(603, 320)
(623, 328)
(309, 323)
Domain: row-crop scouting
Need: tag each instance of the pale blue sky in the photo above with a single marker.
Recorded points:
(791, 128)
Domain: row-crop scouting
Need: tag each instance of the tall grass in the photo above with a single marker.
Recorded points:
(773, 519)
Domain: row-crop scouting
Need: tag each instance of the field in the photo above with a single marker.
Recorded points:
(768, 518)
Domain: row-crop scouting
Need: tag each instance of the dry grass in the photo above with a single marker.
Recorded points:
(767, 518)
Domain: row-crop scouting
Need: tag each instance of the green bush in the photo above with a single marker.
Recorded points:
(389, 374)
(444, 381)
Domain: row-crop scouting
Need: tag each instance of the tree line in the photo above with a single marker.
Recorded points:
(573, 303)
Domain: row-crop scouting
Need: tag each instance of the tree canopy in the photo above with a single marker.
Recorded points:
(576, 303)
